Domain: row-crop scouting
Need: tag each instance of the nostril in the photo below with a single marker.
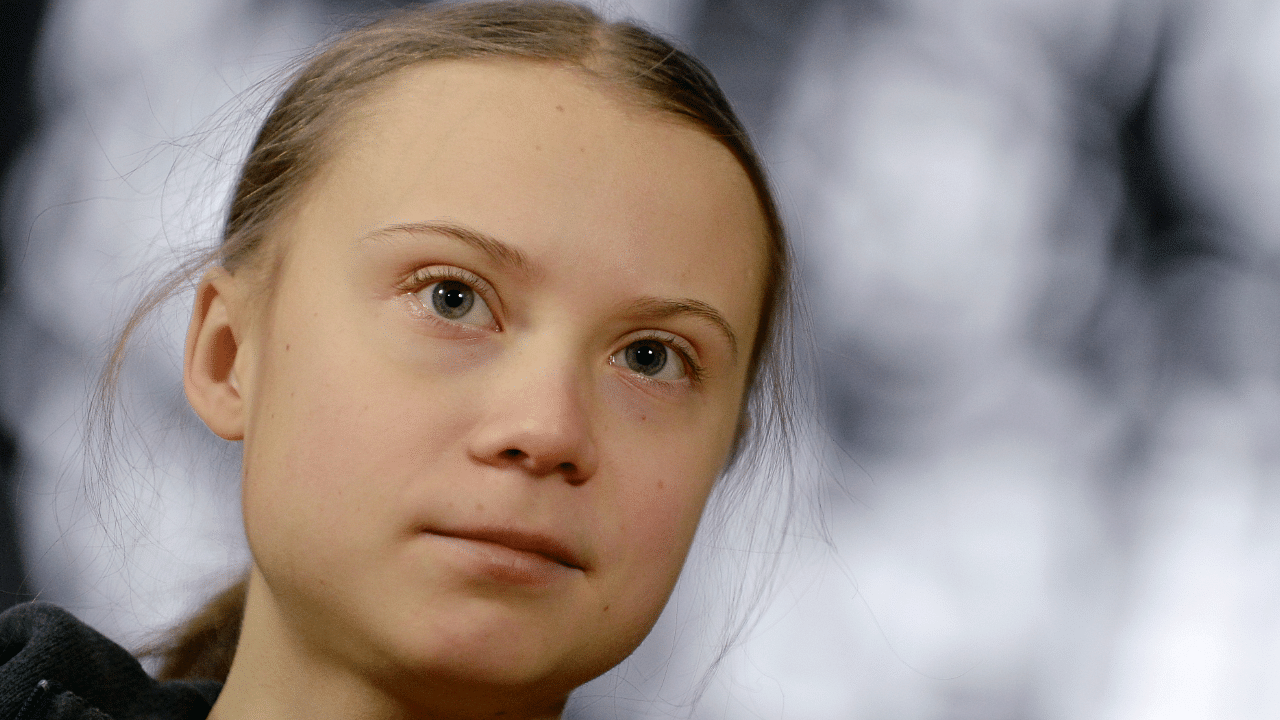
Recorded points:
(571, 474)
(539, 464)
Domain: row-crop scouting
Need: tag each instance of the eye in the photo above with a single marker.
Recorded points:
(456, 301)
(653, 359)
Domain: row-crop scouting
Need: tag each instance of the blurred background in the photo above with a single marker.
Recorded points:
(1040, 241)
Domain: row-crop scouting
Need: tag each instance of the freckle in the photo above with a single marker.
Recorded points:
(661, 484)
(479, 507)
(537, 147)
(560, 108)
(606, 608)
(286, 347)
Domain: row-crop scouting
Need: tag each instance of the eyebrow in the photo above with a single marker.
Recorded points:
(498, 251)
(662, 308)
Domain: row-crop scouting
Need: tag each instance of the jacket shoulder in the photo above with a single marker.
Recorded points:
(54, 667)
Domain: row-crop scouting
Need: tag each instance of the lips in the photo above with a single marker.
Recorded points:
(519, 541)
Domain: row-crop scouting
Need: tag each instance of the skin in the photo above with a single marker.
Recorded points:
(378, 435)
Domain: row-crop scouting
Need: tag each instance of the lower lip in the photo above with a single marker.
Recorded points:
(502, 564)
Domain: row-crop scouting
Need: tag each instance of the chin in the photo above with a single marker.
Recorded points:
(487, 679)
(502, 655)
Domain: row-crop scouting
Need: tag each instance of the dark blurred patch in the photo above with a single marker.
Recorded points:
(1175, 251)
(869, 399)
(349, 13)
(19, 27)
(1164, 318)
(1161, 227)
(369, 6)
(1154, 232)
(11, 572)
(750, 46)
(1183, 254)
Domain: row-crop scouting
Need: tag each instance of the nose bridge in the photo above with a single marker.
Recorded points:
(538, 415)
(550, 390)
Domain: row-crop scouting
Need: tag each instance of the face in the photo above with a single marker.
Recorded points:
(501, 369)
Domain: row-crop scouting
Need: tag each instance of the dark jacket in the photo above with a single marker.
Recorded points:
(54, 667)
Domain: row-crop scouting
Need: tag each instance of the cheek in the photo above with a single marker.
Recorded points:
(656, 526)
(298, 462)
(662, 488)
(663, 516)
(334, 446)
(665, 465)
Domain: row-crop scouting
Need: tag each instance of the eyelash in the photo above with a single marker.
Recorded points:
(423, 277)
(695, 372)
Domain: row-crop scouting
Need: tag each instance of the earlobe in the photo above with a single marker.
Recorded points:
(214, 343)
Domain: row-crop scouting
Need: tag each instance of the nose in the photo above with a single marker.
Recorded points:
(537, 422)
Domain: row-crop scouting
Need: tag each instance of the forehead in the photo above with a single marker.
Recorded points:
(546, 158)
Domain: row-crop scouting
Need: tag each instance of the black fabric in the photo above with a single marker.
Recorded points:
(54, 667)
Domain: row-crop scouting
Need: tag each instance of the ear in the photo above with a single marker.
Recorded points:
(214, 343)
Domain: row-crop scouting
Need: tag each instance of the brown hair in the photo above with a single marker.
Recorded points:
(291, 145)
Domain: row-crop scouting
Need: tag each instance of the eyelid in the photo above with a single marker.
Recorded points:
(419, 279)
(694, 370)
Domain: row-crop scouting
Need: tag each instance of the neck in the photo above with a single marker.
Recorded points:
(278, 674)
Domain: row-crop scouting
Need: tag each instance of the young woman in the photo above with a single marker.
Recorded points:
(493, 312)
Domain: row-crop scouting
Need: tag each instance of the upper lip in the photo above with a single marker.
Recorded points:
(517, 539)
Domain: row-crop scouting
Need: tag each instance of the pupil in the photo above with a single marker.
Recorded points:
(646, 358)
(452, 299)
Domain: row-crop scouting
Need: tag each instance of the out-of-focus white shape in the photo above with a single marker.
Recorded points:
(926, 186)
(128, 169)
(1201, 634)
(929, 162)
(970, 580)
